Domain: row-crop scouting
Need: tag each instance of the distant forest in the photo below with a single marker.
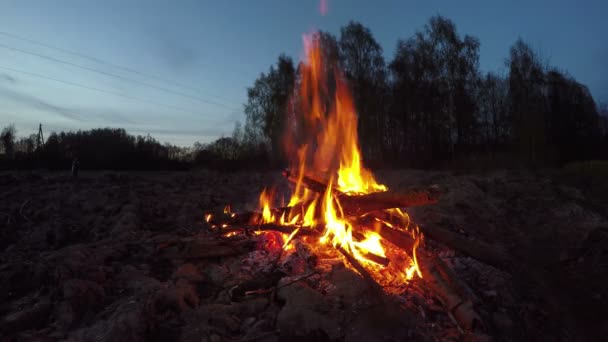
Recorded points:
(429, 106)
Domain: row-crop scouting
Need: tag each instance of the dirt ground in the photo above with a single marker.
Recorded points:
(80, 261)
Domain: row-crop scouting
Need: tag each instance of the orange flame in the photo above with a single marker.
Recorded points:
(322, 136)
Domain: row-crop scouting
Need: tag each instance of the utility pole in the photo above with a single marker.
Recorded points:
(40, 139)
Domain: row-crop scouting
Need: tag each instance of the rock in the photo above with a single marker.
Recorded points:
(17, 279)
(132, 279)
(215, 338)
(178, 298)
(384, 322)
(225, 320)
(188, 272)
(347, 286)
(83, 295)
(306, 315)
(477, 337)
(27, 318)
(247, 323)
(126, 324)
(502, 321)
(64, 315)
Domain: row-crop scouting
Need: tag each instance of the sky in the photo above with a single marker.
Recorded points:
(179, 70)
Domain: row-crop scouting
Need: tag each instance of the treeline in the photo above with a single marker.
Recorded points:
(430, 105)
(115, 149)
(104, 148)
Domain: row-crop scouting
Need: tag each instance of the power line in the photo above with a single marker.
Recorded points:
(114, 65)
(99, 90)
(114, 75)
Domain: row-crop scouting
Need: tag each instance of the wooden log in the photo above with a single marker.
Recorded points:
(446, 288)
(378, 259)
(306, 231)
(400, 239)
(481, 251)
(360, 204)
(310, 183)
(355, 205)
(219, 218)
(352, 206)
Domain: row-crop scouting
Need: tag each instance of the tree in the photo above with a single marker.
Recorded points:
(363, 64)
(435, 77)
(527, 103)
(27, 145)
(267, 104)
(493, 111)
(7, 137)
(573, 123)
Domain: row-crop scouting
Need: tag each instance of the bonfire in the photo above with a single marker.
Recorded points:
(336, 206)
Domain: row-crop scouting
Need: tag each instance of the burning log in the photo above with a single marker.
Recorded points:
(476, 249)
(310, 183)
(399, 238)
(252, 218)
(307, 231)
(361, 204)
(355, 205)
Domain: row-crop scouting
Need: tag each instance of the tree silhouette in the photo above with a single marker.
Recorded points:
(362, 62)
(7, 137)
(267, 104)
(527, 103)
(435, 77)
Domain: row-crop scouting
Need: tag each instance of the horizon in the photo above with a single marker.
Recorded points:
(180, 73)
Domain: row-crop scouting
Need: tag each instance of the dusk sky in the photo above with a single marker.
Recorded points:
(179, 70)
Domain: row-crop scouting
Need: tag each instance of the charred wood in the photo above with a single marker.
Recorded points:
(447, 290)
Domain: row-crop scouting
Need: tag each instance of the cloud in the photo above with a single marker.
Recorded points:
(211, 131)
(7, 78)
(176, 54)
(232, 118)
(36, 102)
(172, 48)
(105, 116)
